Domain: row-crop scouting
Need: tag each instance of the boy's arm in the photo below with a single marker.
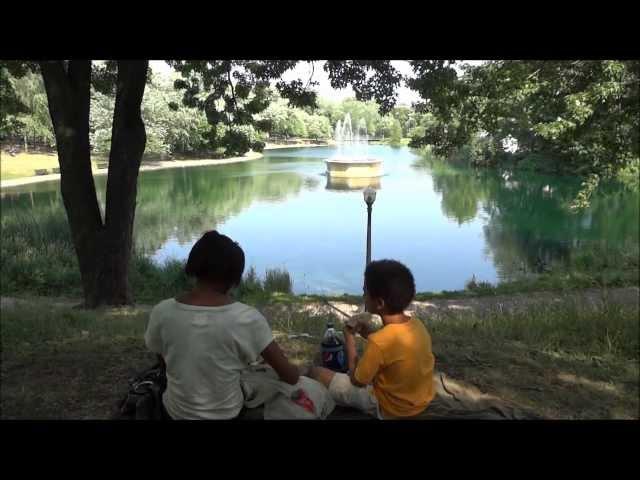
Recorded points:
(352, 354)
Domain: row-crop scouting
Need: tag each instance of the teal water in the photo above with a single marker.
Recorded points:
(446, 223)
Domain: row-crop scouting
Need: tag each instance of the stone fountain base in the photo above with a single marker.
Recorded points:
(354, 167)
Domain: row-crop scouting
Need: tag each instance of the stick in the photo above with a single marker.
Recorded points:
(337, 309)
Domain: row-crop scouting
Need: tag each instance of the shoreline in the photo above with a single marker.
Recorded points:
(156, 165)
(275, 146)
(159, 165)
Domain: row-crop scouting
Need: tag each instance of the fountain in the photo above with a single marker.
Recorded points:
(351, 160)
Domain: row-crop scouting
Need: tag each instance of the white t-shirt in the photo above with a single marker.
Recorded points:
(205, 349)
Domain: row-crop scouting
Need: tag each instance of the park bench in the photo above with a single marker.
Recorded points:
(103, 165)
(56, 170)
(41, 171)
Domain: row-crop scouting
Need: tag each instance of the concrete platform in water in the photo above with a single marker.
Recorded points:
(354, 167)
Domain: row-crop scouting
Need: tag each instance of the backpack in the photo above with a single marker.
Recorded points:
(143, 401)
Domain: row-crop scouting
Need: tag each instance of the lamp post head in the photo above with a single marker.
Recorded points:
(369, 195)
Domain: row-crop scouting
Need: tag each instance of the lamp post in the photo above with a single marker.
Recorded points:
(369, 197)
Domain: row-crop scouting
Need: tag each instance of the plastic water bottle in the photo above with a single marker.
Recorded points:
(332, 349)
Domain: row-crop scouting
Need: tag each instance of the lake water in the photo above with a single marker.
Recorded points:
(447, 224)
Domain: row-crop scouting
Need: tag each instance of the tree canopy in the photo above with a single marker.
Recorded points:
(584, 113)
(233, 94)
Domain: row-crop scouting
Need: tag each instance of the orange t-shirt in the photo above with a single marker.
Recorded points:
(399, 362)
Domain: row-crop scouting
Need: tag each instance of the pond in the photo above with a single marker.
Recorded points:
(446, 223)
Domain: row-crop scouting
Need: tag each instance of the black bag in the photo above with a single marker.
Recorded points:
(143, 401)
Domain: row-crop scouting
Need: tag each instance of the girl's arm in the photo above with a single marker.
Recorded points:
(276, 358)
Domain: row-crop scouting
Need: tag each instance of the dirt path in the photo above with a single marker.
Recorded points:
(437, 308)
(592, 297)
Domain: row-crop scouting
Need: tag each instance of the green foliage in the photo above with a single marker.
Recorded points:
(479, 152)
(479, 288)
(233, 93)
(25, 107)
(179, 130)
(585, 114)
(278, 280)
(253, 290)
(370, 79)
(395, 137)
(369, 111)
(10, 100)
(226, 105)
(630, 175)
(404, 116)
(588, 187)
(286, 121)
(319, 127)
(239, 139)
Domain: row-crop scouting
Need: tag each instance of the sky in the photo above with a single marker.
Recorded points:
(303, 71)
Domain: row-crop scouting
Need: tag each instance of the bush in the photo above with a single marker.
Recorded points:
(278, 280)
(479, 287)
(249, 284)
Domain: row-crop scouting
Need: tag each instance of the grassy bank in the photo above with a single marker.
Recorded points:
(25, 164)
(561, 361)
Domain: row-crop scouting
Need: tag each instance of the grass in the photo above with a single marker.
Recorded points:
(61, 363)
(606, 331)
(24, 164)
(562, 361)
(38, 258)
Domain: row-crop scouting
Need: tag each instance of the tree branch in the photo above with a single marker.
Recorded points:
(58, 94)
(233, 93)
(313, 69)
(128, 142)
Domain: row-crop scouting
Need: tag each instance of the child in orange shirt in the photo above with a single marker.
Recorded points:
(394, 377)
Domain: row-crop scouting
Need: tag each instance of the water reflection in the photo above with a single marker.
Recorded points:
(176, 203)
(528, 223)
(346, 183)
(448, 223)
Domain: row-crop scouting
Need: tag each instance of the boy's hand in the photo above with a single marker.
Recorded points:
(363, 330)
(360, 324)
(349, 329)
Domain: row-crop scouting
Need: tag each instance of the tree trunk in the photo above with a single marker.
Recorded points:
(26, 149)
(128, 141)
(103, 249)
(68, 93)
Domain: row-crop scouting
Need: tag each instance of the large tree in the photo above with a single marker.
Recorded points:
(103, 245)
(231, 93)
(585, 113)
